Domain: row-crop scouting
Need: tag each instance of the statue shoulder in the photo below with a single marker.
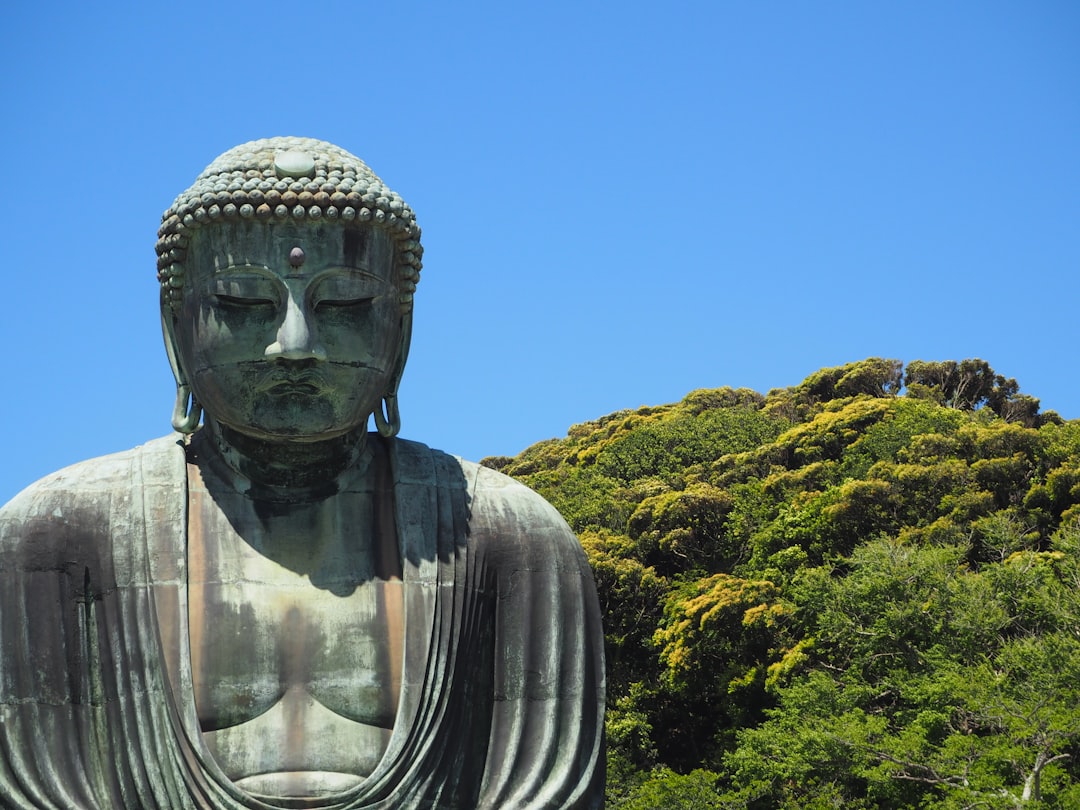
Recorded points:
(509, 517)
(505, 517)
(75, 504)
(492, 488)
(94, 477)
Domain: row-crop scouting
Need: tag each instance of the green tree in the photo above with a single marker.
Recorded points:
(834, 595)
(666, 790)
(969, 385)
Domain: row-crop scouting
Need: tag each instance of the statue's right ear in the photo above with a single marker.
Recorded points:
(387, 413)
(168, 331)
(186, 411)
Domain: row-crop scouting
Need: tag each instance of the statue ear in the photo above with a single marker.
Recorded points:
(168, 331)
(403, 352)
(387, 415)
(186, 411)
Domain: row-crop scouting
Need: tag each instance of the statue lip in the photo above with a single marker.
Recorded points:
(308, 382)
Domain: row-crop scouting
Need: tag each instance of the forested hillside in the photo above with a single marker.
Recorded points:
(861, 591)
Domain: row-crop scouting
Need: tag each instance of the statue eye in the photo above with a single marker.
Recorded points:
(242, 301)
(342, 291)
(242, 291)
(342, 304)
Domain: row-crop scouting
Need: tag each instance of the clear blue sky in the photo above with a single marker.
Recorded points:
(621, 202)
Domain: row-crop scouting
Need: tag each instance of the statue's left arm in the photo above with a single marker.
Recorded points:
(546, 746)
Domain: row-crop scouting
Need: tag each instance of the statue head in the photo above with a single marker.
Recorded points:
(287, 274)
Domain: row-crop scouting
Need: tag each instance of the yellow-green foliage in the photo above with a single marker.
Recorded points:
(683, 527)
(808, 594)
(730, 612)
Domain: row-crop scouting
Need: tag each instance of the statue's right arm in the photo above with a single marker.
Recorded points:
(54, 568)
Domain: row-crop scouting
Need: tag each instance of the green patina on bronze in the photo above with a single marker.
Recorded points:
(281, 180)
(275, 608)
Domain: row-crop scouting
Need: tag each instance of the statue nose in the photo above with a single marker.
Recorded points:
(296, 337)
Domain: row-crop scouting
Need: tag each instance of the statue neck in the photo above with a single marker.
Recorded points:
(297, 469)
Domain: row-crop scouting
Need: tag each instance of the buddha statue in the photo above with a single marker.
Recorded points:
(273, 607)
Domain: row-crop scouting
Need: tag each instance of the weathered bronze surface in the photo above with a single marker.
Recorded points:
(275, 609)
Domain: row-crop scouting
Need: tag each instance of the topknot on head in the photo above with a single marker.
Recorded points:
(287, 179)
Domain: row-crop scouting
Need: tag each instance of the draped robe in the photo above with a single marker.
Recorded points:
(502, 691)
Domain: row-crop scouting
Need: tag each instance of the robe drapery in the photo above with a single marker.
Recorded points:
(502, 692)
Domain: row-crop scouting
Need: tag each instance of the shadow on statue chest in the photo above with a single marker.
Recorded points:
(293, 603)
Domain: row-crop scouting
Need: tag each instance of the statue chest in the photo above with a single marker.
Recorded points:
(296, 633)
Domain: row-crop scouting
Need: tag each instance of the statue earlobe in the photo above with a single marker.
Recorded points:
(387, 414)
(187, 411)
(185, 418)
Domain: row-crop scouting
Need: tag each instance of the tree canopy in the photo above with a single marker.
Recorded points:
(859, 591)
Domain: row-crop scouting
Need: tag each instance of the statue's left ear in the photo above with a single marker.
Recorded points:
(403, 351)
(186, 411)
(387, 413)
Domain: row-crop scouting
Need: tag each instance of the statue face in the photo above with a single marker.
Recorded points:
(289, 332)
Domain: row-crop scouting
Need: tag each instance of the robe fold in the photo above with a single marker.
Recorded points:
(502, 692)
